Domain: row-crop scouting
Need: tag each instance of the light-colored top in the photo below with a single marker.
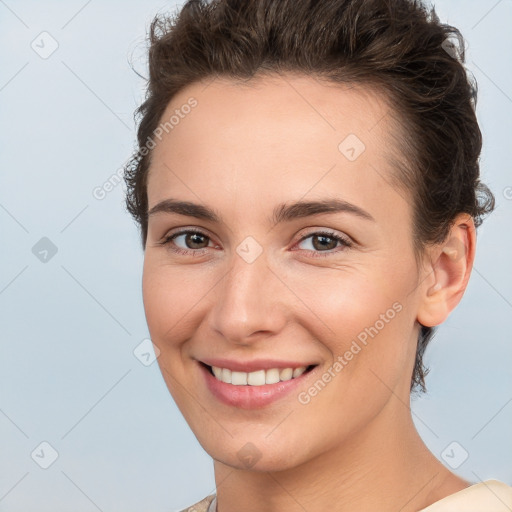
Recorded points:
(486, 496)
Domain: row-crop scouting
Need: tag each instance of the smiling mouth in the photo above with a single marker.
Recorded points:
(258, 377)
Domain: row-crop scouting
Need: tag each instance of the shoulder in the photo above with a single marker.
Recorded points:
(486, 496)
(200, 506)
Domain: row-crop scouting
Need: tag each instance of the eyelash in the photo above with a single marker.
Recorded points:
(316, 254)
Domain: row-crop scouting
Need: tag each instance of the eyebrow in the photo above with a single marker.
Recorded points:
(282, 213)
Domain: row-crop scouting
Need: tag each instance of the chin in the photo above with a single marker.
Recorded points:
(256, 452)
(256, 461)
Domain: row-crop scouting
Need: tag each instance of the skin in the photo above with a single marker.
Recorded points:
(241, 151)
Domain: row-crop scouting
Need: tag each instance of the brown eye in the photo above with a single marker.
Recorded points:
(191, 242)
(195, 240)
(325, 242)
(320, 242)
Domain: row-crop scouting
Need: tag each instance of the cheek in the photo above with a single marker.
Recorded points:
(361, 315)
(348, 300)
(168, 295)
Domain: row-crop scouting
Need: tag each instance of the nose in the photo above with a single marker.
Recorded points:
(249, 302)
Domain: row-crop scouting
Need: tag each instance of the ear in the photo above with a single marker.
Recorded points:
(447, 272)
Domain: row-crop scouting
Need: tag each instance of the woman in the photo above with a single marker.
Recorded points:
(307, 187)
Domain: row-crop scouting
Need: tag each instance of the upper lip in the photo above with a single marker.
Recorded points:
(252, 366)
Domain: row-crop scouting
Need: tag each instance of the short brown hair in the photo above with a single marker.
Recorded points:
(399, 46)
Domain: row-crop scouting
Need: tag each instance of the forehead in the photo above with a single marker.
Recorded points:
(271, 134)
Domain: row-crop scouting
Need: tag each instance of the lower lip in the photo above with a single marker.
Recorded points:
(250, 397)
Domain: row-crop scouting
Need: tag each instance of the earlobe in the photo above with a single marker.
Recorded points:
(448, 274)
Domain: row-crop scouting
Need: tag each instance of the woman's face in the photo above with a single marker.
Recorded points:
(263, 285)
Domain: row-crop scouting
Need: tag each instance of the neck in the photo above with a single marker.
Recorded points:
(385, 467)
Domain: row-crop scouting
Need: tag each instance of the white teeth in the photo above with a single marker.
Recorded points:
(286, 374)
(272, 376)
(299, 371)
(239, 378)
(257, 378)
(226, 376)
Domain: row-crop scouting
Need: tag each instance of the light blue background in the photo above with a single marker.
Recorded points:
(68, 374)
